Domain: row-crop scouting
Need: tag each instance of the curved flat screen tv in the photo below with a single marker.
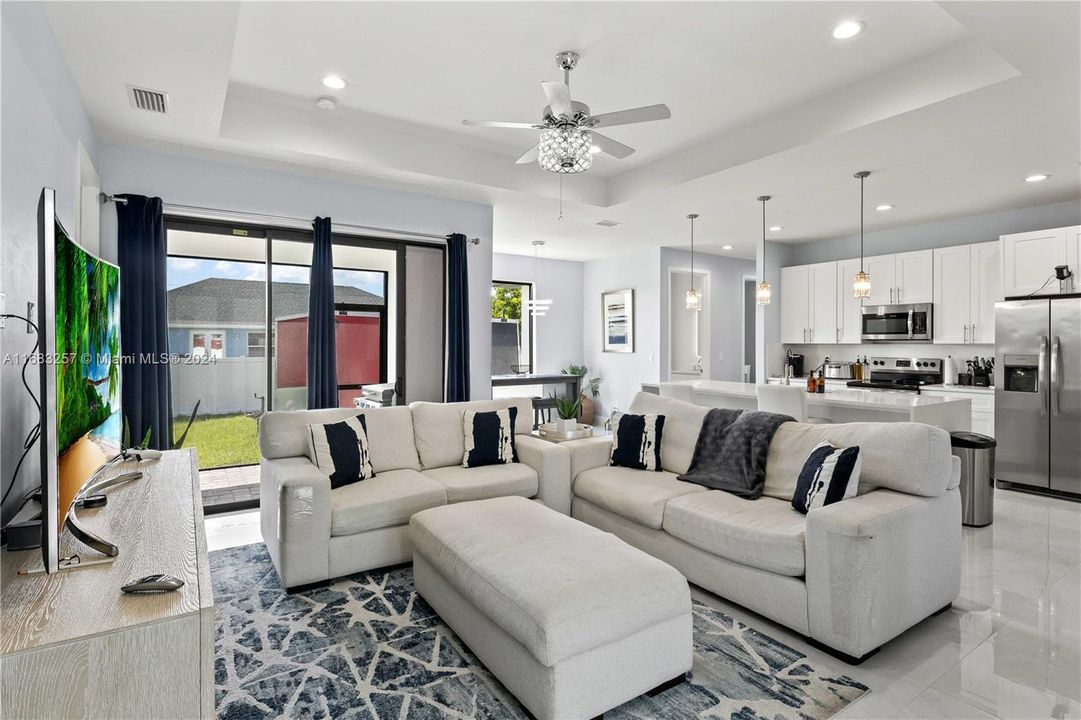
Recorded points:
(79, 332)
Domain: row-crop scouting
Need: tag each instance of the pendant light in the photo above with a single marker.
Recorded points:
(537, 308)
(694, 298)
(763, 294)
(861, 286)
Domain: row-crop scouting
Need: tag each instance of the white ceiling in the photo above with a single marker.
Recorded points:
(950, 105)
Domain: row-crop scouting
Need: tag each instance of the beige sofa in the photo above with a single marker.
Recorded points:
(850, 576)
(314, 533)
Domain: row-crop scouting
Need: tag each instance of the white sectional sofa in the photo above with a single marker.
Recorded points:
(849, 576)
(314, 533)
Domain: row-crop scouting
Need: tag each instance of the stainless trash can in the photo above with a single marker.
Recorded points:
(977, 453)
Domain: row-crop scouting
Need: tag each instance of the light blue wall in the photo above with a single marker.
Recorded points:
(944, 233)
(179, 341)
(42, 120)
(725, 303)
(230, 184)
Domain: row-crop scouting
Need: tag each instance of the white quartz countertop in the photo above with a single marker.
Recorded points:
(899, 401)
(962, 389)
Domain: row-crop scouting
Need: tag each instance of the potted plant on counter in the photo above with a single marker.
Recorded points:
(592, 386)
(567, 408)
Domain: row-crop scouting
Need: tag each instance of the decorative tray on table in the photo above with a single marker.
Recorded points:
(552, 431)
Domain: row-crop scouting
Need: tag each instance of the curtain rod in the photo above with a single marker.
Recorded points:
(216, 213)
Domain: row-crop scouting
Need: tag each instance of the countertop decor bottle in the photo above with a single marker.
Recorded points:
(820, 386)
(812, 386)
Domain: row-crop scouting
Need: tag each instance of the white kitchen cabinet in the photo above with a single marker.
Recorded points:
(795, 308)
(1073, 254)
(983, 405)
(952, 294)
(823, 299)
(914, 277)
(883, 272)
(849, 307)
(986, 291)
(1029, 259)
(967, 285)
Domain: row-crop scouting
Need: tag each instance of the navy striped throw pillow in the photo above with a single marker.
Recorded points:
(830, 474)
(341, 450)
(636, 443)
(489, 437)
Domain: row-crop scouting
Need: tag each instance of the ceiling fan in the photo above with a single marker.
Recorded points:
(568, 140)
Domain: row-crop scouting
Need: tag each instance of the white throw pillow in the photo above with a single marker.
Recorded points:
(830, 474)
(341, 450)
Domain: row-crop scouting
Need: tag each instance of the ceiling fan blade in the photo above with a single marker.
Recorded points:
(559, 98)
(634, 115)
(497, 124)
(529, 156)
(610, 146)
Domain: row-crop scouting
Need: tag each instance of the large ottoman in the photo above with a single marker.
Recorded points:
(571, 619)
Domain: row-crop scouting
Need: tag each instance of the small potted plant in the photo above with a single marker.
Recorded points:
(592, 386)
(568, 412)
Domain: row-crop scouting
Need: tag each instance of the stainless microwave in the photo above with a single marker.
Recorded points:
(896, 323)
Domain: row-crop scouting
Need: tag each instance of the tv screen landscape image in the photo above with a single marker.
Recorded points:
(80, 308)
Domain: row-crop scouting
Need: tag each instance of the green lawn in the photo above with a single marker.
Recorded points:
(221, 440)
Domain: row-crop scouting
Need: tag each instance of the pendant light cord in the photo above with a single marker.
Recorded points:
(862, 178)
(692, 254)
(764, 199)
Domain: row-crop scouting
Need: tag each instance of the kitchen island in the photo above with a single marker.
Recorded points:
(836, 404)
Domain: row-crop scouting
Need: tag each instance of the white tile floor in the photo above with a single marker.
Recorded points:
(1010, 647)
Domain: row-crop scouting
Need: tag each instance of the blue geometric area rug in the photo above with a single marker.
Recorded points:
(367, 647)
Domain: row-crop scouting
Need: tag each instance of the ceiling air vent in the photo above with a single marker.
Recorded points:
(145, 99)
(608, 223)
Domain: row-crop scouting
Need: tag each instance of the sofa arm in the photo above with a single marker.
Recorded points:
(294, 509)
(553, 466)
(588, 453)
(879, 563)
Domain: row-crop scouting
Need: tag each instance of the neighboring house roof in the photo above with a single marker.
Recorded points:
(224, 300)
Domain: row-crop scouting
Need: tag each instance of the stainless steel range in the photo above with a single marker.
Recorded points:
(905, 374)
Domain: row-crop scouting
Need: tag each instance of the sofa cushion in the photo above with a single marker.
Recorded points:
(682, 423)
(488, 481)
(637, 441)
(765, 533)
(341, 451)
(638, 495)
(388, 499)
(284, 433)
(828, 476)
(556, 585)
(908, 457)
(438, 427)
(489, 437)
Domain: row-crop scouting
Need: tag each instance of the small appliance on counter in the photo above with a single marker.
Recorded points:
(907, 374)
(795, 362)
(371, 396)
(839, 371)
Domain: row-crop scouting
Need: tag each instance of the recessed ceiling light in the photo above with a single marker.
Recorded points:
(334, 82)
(594, 149)
(776, 228)
(884, 207)
(326, 103)
(726, 247)
(847, 29)
(1038, 177)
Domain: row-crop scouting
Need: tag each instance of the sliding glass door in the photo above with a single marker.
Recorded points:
(238, 323)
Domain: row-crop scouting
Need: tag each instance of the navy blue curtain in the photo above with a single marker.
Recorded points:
(322, 350)
(144, 321)
(457, 318)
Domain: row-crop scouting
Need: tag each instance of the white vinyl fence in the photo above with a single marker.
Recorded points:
(227, 386)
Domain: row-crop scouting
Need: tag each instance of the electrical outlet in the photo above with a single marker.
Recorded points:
(29, 315)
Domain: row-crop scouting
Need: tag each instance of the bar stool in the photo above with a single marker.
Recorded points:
(785, 400)
(542, 410)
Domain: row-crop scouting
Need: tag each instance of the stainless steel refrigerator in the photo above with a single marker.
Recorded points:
(1038, 393)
